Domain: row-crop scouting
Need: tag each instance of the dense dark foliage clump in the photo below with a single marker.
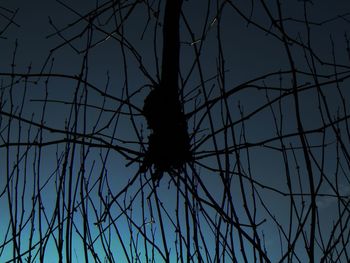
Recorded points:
(169, 143)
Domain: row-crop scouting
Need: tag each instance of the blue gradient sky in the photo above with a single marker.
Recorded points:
(248, 52)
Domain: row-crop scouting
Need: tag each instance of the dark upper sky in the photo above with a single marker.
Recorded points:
(249, 52)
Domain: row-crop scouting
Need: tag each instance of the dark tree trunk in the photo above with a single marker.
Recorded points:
(169, 145)
(171, 45)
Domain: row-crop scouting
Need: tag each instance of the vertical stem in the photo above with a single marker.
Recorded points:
(171, 45)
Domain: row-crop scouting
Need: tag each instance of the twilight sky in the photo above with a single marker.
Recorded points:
(250, 50)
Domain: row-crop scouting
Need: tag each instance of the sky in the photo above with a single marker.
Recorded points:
(249, 53)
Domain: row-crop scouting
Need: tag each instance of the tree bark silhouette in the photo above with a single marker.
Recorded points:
(171, 45)
(169, 145)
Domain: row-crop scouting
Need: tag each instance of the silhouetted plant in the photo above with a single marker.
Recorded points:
(236, 165)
